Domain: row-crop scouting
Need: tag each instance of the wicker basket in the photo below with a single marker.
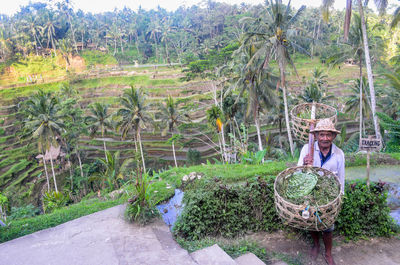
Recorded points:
(292, 214)
(301, 127)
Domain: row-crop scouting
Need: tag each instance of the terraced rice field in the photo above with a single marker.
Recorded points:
(21, 172)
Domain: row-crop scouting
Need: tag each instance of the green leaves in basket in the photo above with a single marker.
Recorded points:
(301, 184)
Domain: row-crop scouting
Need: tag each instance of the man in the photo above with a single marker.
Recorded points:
(326, 155)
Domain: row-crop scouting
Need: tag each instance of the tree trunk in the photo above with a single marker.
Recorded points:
(80, 162)
(104, 144)
(257, 123)
(361, 101)
(285, 103)
(70, 174)
(141, 151)
(47, 175)
(52, 169)
(73, 32)
(173, 150)
(369, 70)
(54, 46)
(122, 46)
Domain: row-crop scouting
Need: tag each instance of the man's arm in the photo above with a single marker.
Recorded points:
(303, 154)
(341, 173)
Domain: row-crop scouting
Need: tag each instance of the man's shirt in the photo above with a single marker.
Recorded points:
(333, 162)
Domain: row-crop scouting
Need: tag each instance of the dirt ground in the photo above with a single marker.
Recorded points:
(376, 251)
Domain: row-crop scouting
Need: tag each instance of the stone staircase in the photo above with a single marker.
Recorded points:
(214, 255)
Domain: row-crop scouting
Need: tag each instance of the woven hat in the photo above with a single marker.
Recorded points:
(325, 125)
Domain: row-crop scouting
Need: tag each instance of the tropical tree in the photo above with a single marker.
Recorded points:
(171, 116)
(381, 6)
(256, 82)
(174, 138)
(134, 116)
(99, 119)
(353, 101)
(50, 29)
(44, 123)
(272, 31)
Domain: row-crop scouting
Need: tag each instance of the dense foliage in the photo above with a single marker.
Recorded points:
(229, 211)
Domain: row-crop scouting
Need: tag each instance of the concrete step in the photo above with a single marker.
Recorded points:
(249, 259)
(213, 255)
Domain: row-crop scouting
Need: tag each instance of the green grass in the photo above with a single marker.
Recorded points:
(27, 226)
(93, 58)
(14, 169)
(46, 67)
(24, 91)
(395, 155)
(227, 173)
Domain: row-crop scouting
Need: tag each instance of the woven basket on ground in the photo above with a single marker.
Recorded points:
(301, 126)
(320, 218)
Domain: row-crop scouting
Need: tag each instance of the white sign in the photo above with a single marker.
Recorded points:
(370, 144)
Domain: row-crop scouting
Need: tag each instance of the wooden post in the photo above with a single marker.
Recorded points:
(368, 155)
(311, 135)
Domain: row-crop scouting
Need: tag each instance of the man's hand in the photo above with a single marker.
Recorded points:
(308, 160)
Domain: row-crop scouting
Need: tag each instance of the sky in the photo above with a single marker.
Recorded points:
(10, 7)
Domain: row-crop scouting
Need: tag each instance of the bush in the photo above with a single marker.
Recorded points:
(142, 206)
(54, 200)
(220, 210)
(193, 156)
(229, 211)
(23, 212)
(365, 211)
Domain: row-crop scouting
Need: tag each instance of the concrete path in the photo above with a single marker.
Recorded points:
(100, 238)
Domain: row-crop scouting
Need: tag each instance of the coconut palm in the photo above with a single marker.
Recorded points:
(175, 138)
(134, 116)
(171, 116)
(99, 120)
(381, 6)
(272, 35)
(44, 123)
(50, 29)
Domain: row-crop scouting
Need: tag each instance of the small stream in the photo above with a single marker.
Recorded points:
(172, 209)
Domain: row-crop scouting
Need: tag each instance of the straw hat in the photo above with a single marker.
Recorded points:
(325, 125)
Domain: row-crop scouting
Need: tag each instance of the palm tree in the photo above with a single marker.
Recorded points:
(257, 82)
(99, 120)
(171, 116)
(353, 102)
(50, 28)
(174, 138)
(381, 6)
(272, 34)
(134, 116)
(32, 26)
(44, 123)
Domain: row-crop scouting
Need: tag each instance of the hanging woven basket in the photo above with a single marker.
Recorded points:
(301, 118)
(318, 218)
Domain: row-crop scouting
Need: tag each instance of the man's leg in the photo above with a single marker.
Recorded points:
(328, 240)
(315, 249)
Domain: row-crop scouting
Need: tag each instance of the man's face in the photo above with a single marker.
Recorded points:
(325, 138)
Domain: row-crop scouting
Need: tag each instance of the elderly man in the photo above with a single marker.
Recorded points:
(326, 155)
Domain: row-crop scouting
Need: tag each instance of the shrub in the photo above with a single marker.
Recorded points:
(141, 207)
(23, 212)
(193, 156)
(229, 211)
(220, 210)
(54, 200)
(365, 211)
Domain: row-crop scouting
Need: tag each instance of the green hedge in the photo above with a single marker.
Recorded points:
(229, 211)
